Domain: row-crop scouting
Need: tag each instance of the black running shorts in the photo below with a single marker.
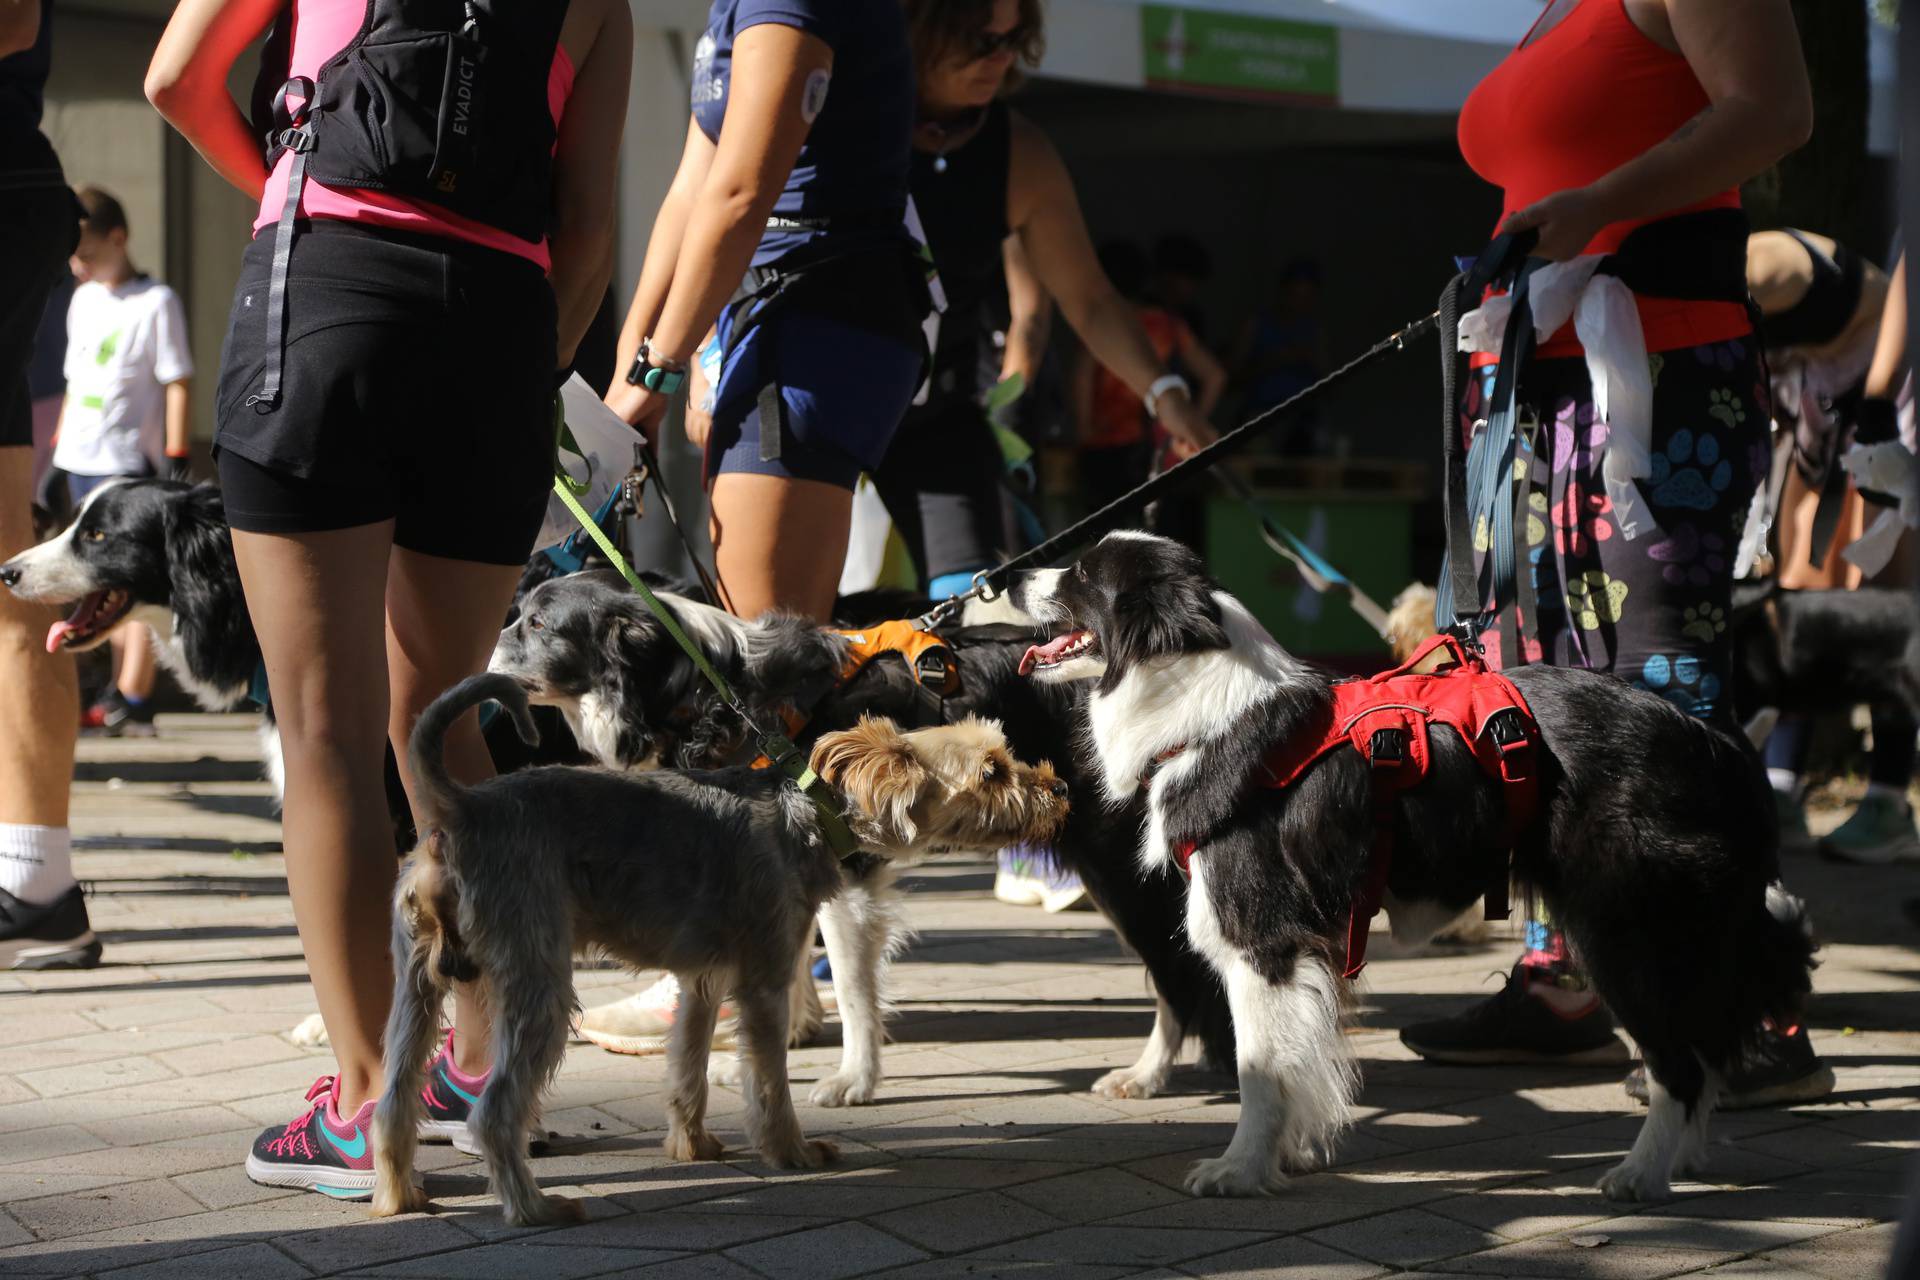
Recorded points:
(417, 386)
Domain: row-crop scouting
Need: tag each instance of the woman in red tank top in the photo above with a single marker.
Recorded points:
(1625, 128)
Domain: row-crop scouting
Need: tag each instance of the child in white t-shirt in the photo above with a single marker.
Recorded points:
(128, 367)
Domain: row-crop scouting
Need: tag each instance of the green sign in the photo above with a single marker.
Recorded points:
(1239, 55)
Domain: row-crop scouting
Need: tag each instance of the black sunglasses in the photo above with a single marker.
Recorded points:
(988, 43)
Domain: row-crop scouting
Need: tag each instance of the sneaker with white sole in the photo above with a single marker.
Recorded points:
(321, 1150)
(450, 1096)
(641, 1023)
(1879, 831)
(56, 935)
(1780, 1071)
(1028, 875)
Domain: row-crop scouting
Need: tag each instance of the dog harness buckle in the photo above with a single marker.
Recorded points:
(1506, 728)
(1388, 748)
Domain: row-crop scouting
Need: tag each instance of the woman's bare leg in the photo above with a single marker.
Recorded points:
(778, 543)
(37, 688)
(443, 617)
(317, 602)
(1798, 503)
(134, 661)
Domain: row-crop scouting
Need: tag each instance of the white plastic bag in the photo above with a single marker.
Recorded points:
(866, 540)
(597, 451)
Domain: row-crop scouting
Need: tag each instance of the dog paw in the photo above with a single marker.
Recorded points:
(725, 1071)
(1631, 1183)
(545, 1211)
(1221, 1176)
(693, 1146)
(390, 1201)
(844, 1089)
(1124, 1082)
(310, 1033)
(809, 1153)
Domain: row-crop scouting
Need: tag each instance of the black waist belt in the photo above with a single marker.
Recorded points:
(1693, 257)
(876, 284)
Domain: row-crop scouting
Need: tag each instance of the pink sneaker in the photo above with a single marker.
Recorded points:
(321, 1150)
(450, 1096)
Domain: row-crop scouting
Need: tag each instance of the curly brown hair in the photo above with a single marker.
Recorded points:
(943, 30)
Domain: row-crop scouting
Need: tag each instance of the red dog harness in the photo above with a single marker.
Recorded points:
(1387, 719)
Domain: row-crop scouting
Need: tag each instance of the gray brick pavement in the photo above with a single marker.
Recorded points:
(128, 1095)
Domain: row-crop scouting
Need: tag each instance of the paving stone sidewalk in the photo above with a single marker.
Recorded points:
(129, 1095)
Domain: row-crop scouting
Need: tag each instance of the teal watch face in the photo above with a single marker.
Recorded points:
(664, 381)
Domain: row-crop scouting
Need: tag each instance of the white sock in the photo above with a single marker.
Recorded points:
(36, 863)
(1785, 781)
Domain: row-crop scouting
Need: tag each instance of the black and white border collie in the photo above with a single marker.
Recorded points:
(587, 645)
(1654, 848)
(158, 552)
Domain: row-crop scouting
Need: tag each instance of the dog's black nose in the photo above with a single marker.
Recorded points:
(9, 576)
(1059, 789)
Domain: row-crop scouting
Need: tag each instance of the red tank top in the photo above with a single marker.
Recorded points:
(1573, 105)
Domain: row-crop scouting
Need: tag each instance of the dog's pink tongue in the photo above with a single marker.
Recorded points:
(56, 634)
(1038, 653)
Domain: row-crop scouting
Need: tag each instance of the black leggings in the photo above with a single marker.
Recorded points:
(941, 483)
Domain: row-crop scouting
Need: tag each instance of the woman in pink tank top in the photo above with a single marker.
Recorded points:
(384, 428)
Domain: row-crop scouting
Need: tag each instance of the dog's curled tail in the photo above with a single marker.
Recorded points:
(426, 750)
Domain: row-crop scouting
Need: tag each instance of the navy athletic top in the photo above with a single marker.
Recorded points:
(26, 157)
(850, 181)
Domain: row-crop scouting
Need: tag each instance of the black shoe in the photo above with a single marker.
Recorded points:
(54, 936)
(1518, 1026)
(1783, 1071)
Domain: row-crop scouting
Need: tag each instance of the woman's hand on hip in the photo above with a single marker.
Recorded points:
(1567, 222)
(639, 408)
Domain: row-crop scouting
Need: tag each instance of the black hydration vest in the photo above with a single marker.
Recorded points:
(443, 101)
(439, 101)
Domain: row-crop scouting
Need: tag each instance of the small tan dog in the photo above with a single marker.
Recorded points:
(1410, 620)
(715, 876)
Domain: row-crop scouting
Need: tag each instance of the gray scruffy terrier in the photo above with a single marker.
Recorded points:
(715, 876)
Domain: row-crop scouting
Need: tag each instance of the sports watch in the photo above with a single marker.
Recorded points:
(666, 377)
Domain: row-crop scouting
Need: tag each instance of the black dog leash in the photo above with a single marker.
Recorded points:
(989, 581)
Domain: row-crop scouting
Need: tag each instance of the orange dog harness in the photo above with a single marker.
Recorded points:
(927, 656)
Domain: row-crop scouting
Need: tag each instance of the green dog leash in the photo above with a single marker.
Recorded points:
(776, 746)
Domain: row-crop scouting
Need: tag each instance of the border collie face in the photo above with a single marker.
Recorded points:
(586, 644)
(125, 554)
(158, 552)
(1131, 600)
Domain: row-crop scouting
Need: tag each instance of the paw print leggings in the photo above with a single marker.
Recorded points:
(1652, 610)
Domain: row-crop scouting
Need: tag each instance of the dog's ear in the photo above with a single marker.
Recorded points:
(875, 767)
(204, 584)
(642, 693)
(1173, 613)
